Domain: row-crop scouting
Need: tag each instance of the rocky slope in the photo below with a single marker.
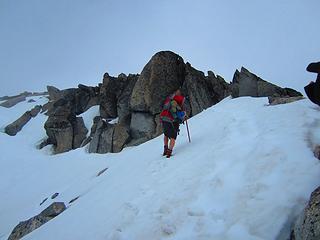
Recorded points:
(136, 101)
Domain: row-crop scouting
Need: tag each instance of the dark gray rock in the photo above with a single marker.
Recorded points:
(35, 111)
(120, 137)
(79, 132)
(109, 94)
(13, 128)
(142, 125)
(43, 201)
(197, 90)
(31, 101)
(106, 138)
(23, 94)
(283, 100)
(162, 75)
(245, 83)
(13, 101)
(60, 133)
(307, 226)
(218, 87)
(95, 134)
(78, 99)
(65, 132)
(123, 107)
(53, 210)
(102, 138)
(26, 227)
(54, 93)
(54, 195)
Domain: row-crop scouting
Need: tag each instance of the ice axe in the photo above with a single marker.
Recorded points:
(188, 130)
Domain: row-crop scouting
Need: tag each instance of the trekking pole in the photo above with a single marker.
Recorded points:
(188, 130)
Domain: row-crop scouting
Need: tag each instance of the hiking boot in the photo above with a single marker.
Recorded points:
(165, 149)
(169, 153)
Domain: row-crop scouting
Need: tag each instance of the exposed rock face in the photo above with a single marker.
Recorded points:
(120, 137)
(142, 125)
(79, 132)
(10, 101)
(123, 103)
(245, 83)
(196, 89)
(64, 130)
(162, 75)
(13, 101)
(283, 100)
(136, 100)
(78, 99)
(25, 227)
(218, 87)
(102, 138)
(115, 94)
(15, 127)
(108, 137)
(307, 226)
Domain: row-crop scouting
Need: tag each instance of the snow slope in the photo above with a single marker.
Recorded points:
(247, 173)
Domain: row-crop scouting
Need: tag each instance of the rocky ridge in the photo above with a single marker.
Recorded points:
(136, 101)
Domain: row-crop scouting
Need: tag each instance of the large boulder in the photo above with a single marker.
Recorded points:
(162, 75)
(64, 130)
(245, 83)
(60, 133)
(13, 128)
(307, 226)
(26, 227)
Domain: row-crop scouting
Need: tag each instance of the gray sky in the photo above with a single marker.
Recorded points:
(65, 42)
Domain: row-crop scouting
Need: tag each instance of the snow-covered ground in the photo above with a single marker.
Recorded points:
(246, 174)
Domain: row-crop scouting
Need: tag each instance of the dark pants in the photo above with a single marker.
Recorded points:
(170, 130)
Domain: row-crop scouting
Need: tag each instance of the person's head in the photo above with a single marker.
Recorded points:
(178, 92)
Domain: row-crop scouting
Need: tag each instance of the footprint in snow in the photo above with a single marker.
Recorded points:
(129, 213)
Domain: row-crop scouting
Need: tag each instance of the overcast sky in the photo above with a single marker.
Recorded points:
(65, 42)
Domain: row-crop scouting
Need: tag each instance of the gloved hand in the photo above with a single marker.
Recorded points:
(181, 116)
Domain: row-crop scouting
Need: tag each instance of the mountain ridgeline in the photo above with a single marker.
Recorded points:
(136, 101)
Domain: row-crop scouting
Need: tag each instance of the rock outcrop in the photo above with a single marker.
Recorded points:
(133, 103)
(136, 100)
(108, 137)
(10, 101)
(162, 75)
(245, 83)
(64, 130)
(26, 227)
(307, 226)
(13, 128)
(283, 100)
